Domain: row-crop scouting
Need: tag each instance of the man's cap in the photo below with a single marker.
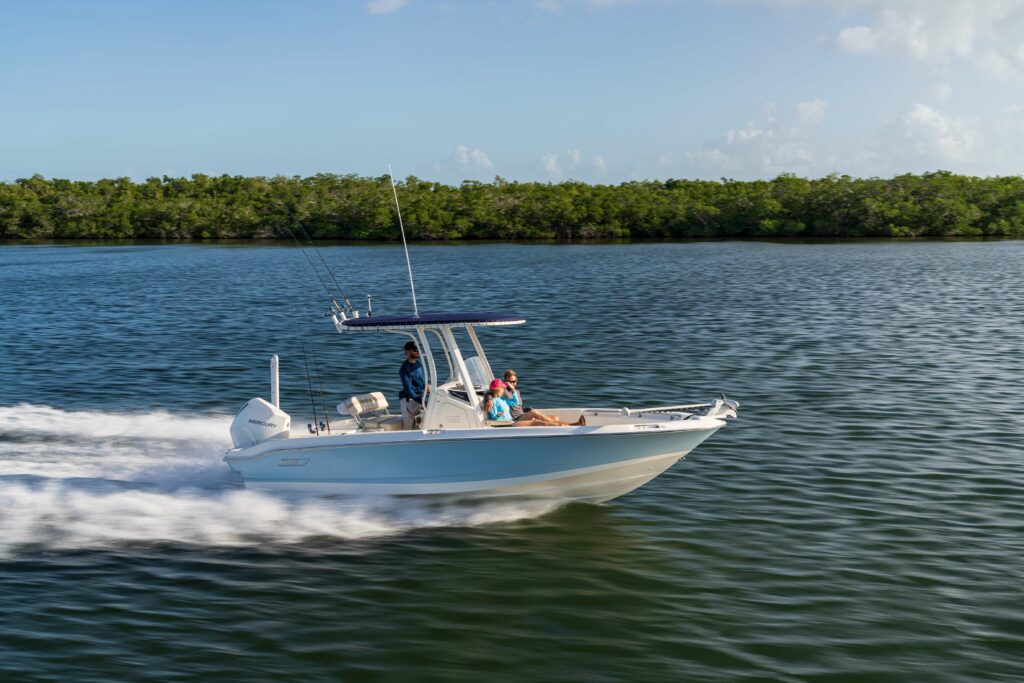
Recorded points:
(411, 346)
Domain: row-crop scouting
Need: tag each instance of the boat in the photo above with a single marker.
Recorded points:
(454, 450)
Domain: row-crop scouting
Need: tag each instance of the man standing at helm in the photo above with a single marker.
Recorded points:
(410, 398)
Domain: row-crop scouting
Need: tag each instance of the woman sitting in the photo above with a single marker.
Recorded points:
(497, 408)
(519, 411)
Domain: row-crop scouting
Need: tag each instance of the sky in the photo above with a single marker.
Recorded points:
(602, 91)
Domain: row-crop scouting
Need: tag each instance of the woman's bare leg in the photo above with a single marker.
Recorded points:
(530, 422)
(536, 416)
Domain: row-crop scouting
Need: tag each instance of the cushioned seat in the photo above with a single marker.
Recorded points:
(383, 423)
(371, 412)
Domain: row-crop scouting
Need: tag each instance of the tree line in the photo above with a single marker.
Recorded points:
(350, 207)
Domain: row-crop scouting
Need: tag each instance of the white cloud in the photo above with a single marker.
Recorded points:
(753, 152)
(571, 164)
(385, 6)
(750, 132)
(475, 158)
(925, 139)
(811, 113)
(553, 6)
(942, 91)
(857, 39)
(922, 138)
(556, 6)
(986, 33)
(549, 162)
(465, 164)
(763, 147)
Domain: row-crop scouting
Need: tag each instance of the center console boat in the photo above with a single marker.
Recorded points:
(454, 450)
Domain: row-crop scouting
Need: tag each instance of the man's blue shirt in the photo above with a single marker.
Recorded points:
(413, 383)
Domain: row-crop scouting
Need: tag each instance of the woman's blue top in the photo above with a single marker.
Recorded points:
(499, 410)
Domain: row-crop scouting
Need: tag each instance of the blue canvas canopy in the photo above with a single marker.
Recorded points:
(390, 322)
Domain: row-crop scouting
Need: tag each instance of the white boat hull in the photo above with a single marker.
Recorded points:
(592, 484)
(592, 464)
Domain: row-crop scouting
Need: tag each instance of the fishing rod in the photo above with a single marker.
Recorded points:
(344, 297)
(309, 383)
(316, 368)
(312, 267)
(330, 295)
(408, 263)
(312, 244)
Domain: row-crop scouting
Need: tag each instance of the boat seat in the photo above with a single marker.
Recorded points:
(383, 423)
(370, 412)
(364, 403)
(499, 423)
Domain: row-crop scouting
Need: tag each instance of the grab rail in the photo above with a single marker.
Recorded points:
(715, 406)
(664, 409)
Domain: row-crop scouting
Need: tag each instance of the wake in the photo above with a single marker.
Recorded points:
(93, 479)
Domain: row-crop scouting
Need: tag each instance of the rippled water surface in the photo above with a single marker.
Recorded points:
(864, 519)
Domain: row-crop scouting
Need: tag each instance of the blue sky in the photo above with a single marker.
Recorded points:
(595, 90)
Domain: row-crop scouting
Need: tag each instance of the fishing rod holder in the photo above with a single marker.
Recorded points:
(339, 317)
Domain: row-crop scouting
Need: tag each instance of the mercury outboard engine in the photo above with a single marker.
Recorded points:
(257, 421)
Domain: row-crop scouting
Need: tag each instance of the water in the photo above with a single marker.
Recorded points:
(863, 519)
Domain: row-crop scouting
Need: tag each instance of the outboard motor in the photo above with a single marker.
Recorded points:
(257, 421)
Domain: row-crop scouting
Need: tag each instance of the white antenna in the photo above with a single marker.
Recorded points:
(408, 263)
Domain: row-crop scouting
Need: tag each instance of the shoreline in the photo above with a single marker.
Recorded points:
(354, 209)
(268, 242)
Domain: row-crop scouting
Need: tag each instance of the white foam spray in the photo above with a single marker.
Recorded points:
(94, 479)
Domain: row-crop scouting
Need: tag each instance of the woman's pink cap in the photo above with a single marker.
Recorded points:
(497, 384)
